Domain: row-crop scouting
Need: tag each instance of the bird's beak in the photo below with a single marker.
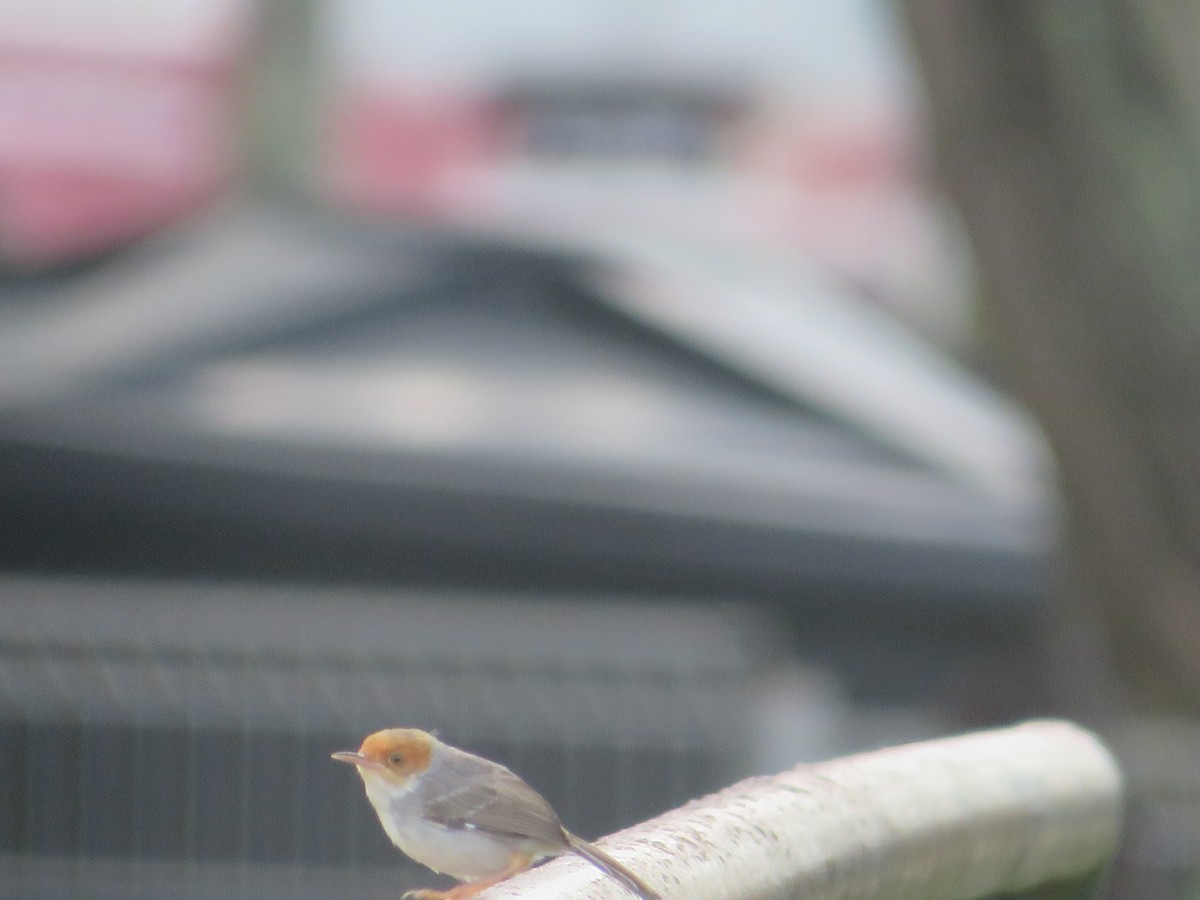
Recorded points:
(356, 759)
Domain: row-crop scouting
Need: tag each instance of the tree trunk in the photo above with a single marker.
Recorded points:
(1068, 135)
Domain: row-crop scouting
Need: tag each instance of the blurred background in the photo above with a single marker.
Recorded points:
(645, 396)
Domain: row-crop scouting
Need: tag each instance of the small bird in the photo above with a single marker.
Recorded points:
(465, 816)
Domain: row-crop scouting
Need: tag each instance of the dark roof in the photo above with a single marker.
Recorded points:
(267, 394)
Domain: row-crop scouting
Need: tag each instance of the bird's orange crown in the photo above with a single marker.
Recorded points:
(396, 754)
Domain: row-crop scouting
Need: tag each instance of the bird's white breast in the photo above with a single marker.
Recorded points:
(460, 852)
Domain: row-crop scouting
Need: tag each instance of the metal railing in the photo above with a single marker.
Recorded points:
(1031, 811)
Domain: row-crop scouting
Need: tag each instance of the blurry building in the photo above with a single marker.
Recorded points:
(636, 520)
(573, 441)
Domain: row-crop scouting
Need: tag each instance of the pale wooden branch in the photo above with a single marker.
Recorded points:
(988, 814)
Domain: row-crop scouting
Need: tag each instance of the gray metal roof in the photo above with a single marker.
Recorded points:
(667, 404)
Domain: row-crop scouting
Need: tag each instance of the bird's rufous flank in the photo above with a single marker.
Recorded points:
(465, 816)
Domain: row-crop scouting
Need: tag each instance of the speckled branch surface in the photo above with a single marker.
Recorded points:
(991, 813)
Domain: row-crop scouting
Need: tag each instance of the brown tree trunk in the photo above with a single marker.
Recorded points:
(1068, 135)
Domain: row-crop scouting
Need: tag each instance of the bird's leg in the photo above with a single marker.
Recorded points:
(520, 862)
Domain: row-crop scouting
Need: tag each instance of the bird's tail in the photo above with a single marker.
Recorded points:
(611, 867)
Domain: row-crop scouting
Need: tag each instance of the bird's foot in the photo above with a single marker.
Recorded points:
(462, 892)
(519, 863)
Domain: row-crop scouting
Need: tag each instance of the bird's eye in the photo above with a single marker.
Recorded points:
(396, 758)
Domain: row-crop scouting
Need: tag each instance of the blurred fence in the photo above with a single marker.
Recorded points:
(170, 740)
(163, 739)
(1031, 811)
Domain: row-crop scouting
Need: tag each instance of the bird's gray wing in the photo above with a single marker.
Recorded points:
(485, 796)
